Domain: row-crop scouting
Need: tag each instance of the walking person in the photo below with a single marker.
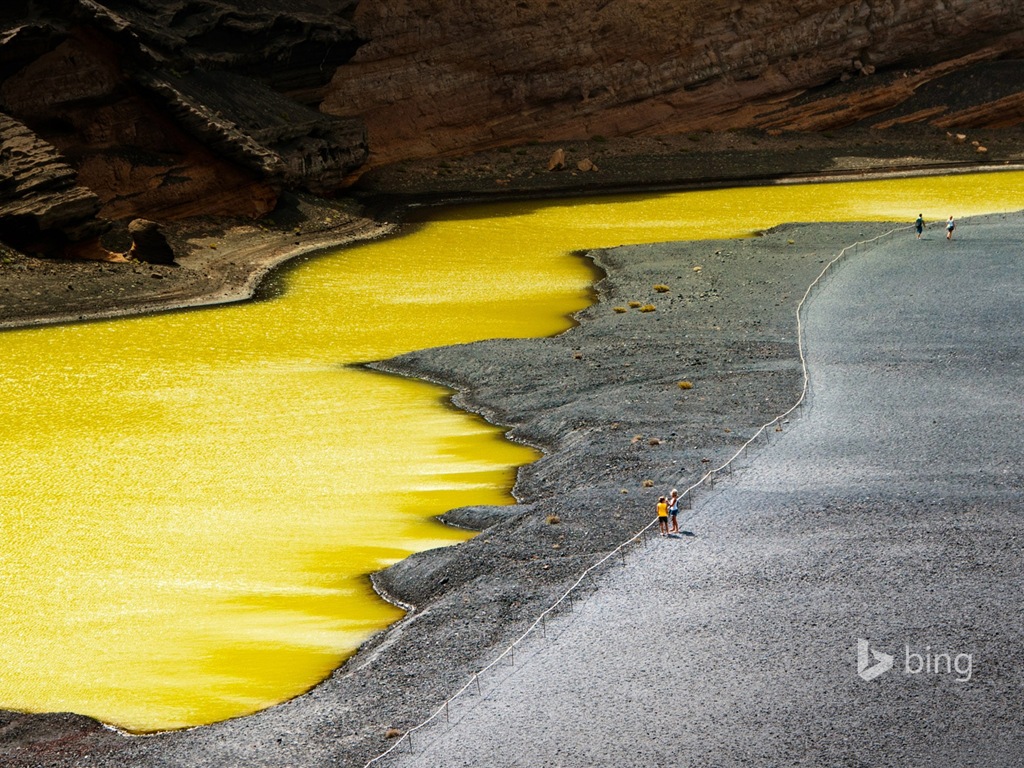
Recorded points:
(950, 226)
(662, 516)
(673, 511)
(919, 225)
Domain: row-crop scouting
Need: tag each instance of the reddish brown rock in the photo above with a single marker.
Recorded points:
(474, 74)
(139, 101)
(148, 243)
(129, 152)
(557, 160)
(42, 205)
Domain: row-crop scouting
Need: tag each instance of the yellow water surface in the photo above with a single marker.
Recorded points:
(190, 502)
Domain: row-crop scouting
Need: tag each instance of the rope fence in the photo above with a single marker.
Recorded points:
(686, 496)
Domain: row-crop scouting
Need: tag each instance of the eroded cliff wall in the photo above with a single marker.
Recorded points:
(165, 110)
(177, 108)
(448, 75)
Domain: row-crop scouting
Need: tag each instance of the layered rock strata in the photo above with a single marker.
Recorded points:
(175, 110)
(443, 77)
(169, 110)
(39, 193)
(262, 130)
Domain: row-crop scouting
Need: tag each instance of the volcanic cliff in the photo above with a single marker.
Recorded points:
(125, 108)
(441, 77)
(117, 109)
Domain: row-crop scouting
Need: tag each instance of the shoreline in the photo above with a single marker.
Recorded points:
(845, 528)
(263, 260)
(221, 261)
(417, 202)
(216, 265)
(359, 699)
(566, 482)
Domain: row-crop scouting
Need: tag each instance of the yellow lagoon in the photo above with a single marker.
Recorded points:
(190, 502)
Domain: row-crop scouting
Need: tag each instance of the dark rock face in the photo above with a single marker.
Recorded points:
(438, 78)
(258, 128)
(173, 110)
(41, 204)
(294, 45)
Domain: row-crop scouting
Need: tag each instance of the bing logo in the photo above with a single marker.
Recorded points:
(872, 663)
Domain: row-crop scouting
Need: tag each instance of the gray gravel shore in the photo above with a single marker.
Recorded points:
(603, 401)
(889, 512)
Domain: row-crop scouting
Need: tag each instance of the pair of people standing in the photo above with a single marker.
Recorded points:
(919, 226)
(668, 508)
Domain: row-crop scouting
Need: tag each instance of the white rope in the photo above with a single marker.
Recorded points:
(636, 537)
(803, 358)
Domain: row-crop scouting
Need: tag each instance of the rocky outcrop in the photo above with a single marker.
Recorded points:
(447, 77)
(126, 148)
(181, 109)
(246, 121)
(41, 203)
(293, 45)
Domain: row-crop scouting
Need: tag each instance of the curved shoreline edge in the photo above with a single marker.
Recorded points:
(759, 374)
(440, 578)
(230, 282)
(249, 254)
(687, 496)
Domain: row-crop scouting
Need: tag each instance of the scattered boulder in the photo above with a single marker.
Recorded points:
(149, 243)
(557, 161)
(586, 164)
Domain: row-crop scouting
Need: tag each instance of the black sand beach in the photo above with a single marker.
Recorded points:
(599, 400)
(882, 522)
(604, 403)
